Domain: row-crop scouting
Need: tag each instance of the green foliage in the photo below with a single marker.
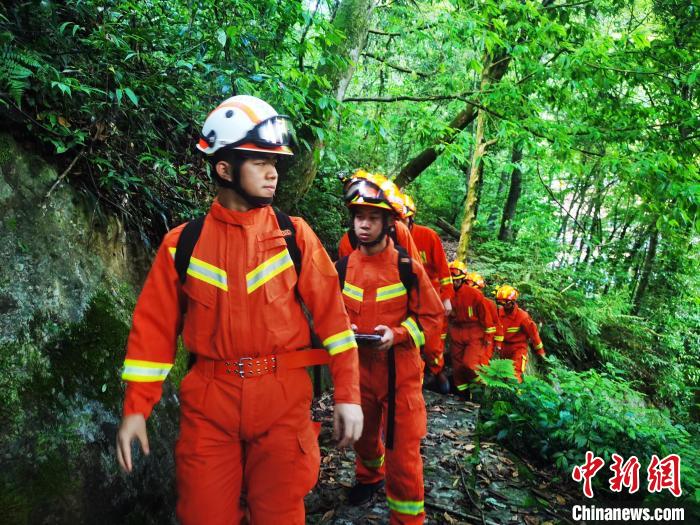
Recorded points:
(323, 207)
(558, 420)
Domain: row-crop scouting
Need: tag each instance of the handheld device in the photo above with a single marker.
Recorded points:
(368, 339)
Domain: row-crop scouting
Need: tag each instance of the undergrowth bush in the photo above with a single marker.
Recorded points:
(557, 420)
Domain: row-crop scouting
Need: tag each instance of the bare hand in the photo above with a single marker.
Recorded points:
(132, 426)
(354, 327)
(448, 307)
(347, 423)
(387, 337)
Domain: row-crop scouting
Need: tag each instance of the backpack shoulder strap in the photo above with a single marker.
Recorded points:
(185, 246)
(341, 266)
(408, 278)
(394, 236)
(286, 224)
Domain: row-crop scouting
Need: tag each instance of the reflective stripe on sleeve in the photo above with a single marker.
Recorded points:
(490, 330)
(541, 345)
(271, 268)
(340, 342)
(405, 507)
(499, 338)
(389, 292)
(145, 371)
(416, 334)
(513, 329)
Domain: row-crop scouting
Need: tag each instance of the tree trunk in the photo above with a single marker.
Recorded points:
(470, 205)
(353, 20)
(491, 221)
(646, 270)
(506, 232)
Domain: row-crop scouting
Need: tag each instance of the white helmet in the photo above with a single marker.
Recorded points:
(245, 123)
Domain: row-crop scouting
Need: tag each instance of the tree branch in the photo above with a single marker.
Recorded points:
(575, 4)
(399, 98)
(384, 33)
(396, 67)
(551, 194)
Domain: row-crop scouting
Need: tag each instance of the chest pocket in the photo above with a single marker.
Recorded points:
(270, 275)
(392, 302)
(201, 288)
(352, 297)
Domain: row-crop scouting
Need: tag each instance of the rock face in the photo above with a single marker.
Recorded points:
(68, 282)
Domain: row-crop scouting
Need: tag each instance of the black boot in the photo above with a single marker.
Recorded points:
(363, 492)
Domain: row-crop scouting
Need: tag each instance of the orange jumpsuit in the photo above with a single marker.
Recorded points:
(518, 329)
(434, 261)
(403, 237)
(374, 295)
(498, 335)
(472, 329)
(249, 435)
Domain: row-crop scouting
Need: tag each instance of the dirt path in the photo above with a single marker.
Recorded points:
(466, 482)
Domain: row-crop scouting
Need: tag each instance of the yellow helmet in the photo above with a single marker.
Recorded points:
(458, 270)
(476, 279)
(506, 292)
(364, 189)
(395, 197)
(409, 206)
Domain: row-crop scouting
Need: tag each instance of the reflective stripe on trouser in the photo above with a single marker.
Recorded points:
(253, 433)
(402, 466)
(519, 356)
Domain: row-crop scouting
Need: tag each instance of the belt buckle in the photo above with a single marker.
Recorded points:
(241, 365)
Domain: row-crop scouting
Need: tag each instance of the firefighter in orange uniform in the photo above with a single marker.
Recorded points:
(245, 423)
(434, 261)
(398, 231)
(387, 294)
(472, 329)
(518, 329)
(475, 280)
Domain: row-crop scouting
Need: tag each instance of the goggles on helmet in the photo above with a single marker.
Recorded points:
(272, 132)
(505, 302)
(369, 192)
(457, 273)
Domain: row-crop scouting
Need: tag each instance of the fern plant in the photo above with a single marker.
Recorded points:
(16, 69)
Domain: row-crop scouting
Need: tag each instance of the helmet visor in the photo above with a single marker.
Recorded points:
(271, 133)
(456, 273)
(365, 189)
